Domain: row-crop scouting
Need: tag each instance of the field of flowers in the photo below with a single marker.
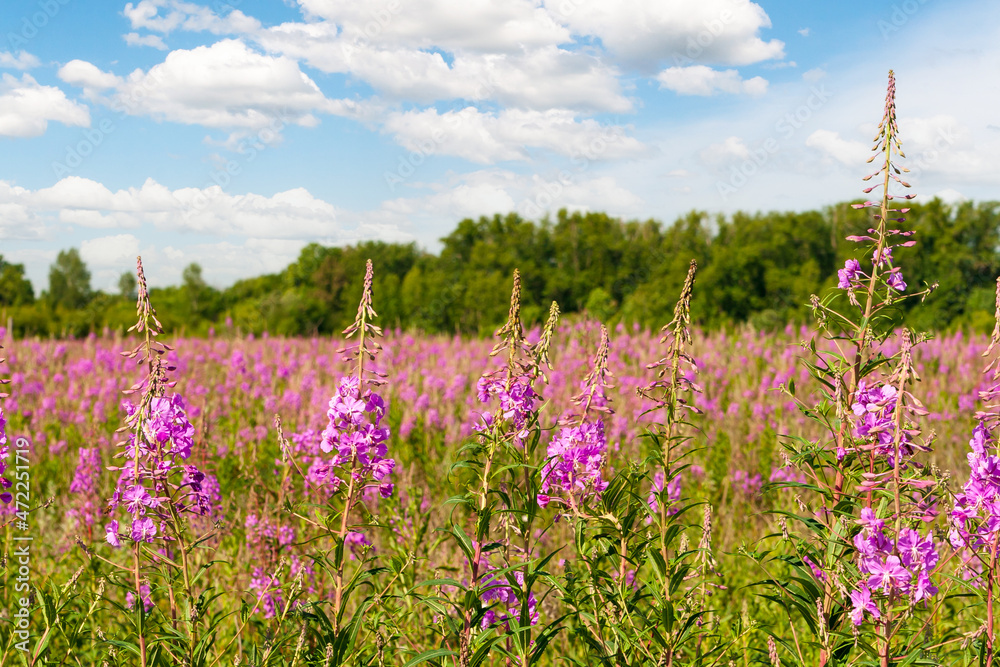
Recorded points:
(563, 494)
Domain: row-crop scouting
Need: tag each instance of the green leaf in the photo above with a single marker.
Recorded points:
(430, 655)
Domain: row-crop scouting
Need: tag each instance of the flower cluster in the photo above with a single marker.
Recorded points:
(875, 409)
(517, 402)
(144, 488)
(975, 519)
(357, 437)
(895, 570)
(167, 421)
(573, 467)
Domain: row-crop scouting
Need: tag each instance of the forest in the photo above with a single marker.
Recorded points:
(754, 268)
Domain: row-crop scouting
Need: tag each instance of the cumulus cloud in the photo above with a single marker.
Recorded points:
(225, 85)
(23, 60)
(486, 138)
(648, 33)
(165, 16)
(81, 201)
(538, 78)
(88, 76)
(26, 107)
(487, 26)
(703, 80)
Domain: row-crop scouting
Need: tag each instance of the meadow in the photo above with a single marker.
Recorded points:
(560, 494)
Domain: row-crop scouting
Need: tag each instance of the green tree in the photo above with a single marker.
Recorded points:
(15, 288)
(127, 285)
(69, 281)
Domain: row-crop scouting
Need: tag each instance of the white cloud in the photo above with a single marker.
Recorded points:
(487, 26)
(83, 202)
(26, 107)
(804, 32)
(703, 80)
(155, 41)
(536, 78)
(509, 135)
(180, 15)
(849, 153)
(114, 251)
(648, 33)
(491, 191)
(85, 75)
(23, 60)
(225, 85)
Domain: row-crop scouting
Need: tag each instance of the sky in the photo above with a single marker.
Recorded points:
(233, 132)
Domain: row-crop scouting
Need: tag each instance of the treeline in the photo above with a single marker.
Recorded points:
(758, 268)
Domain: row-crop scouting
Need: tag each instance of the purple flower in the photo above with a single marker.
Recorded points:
(924, 588)
(356, 437)
(887, 575)
(896, 281)
(573, 469)
(143, 530)
(862, 601)
(875, 408)
(111, 534)
(848, 276)
(869, 522)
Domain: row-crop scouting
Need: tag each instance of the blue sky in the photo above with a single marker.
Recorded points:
(231, 133)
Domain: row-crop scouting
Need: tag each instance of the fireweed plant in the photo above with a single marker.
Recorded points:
(156, 491)
(975, 515)
(860, 563)
(496, 607)
(353, 469)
